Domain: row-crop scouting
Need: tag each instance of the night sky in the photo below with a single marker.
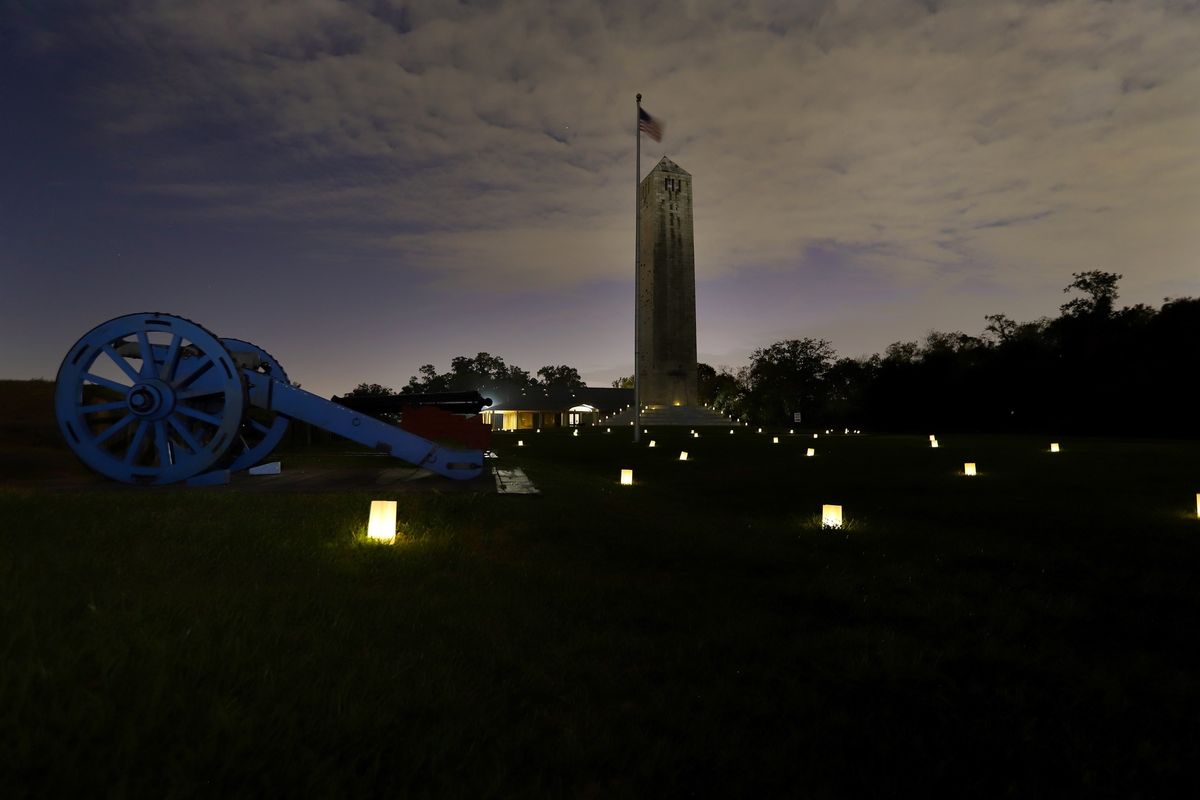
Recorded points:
(364, 187)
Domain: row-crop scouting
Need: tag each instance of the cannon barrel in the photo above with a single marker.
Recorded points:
(454, 402)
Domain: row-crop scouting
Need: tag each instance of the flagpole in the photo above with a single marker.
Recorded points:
(637, 277)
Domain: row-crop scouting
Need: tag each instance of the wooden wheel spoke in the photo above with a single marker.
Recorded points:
(121, 362)
(107, 384)
(171, 361)
(148, 363)
(192, 394)
(201, 367)
(161, 445)
(200, 415)
(135, 447)
(185, 434)
(96, 408)
(114, 429)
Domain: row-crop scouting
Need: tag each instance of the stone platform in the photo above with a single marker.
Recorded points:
(680, 416)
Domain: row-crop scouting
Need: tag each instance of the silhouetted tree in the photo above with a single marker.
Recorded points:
(429, 381)
(1170, 360)
(1100, 293)
(371, 390)
(1089, 340)
(484, 373)
(848, 382)
(999, 328)
(729, 392)
(898, 353)
(1017, 378)
(706, 383)
(560, 377)
(787, 377)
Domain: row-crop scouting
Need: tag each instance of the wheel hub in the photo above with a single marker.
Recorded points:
(152, 399)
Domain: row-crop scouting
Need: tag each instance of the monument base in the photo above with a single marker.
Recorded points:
(682, 416)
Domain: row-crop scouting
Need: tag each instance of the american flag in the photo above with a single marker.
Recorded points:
(649, 125)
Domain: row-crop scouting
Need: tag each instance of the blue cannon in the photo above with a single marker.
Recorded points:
(157, 399)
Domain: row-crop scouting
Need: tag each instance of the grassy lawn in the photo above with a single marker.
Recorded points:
(1027, 631)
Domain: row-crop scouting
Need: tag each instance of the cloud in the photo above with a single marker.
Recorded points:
(1011, 142)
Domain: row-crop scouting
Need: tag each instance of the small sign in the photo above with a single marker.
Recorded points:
(796, 417)
(513, 481)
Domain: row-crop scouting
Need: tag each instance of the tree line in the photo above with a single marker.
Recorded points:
(1094, 368)
(484, 373)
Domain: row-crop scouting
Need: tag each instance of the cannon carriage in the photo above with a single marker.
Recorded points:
(157, 399)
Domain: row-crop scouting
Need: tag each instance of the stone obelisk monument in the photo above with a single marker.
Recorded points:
(666, 335)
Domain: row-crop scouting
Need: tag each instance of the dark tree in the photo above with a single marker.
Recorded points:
(483, 373)
(560, 377)
(371, 390)
(1099, 290)
(848, 383)
(1000, 328)
(729, 393)
(706, 383)
(429, 381)
(787, 377)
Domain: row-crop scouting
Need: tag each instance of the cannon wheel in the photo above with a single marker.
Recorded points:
(149, 398)
(261, 430)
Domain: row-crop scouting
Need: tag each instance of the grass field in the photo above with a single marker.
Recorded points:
(1026, 632)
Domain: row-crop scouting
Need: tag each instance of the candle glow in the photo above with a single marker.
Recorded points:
(381, 526)
(831, 516)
